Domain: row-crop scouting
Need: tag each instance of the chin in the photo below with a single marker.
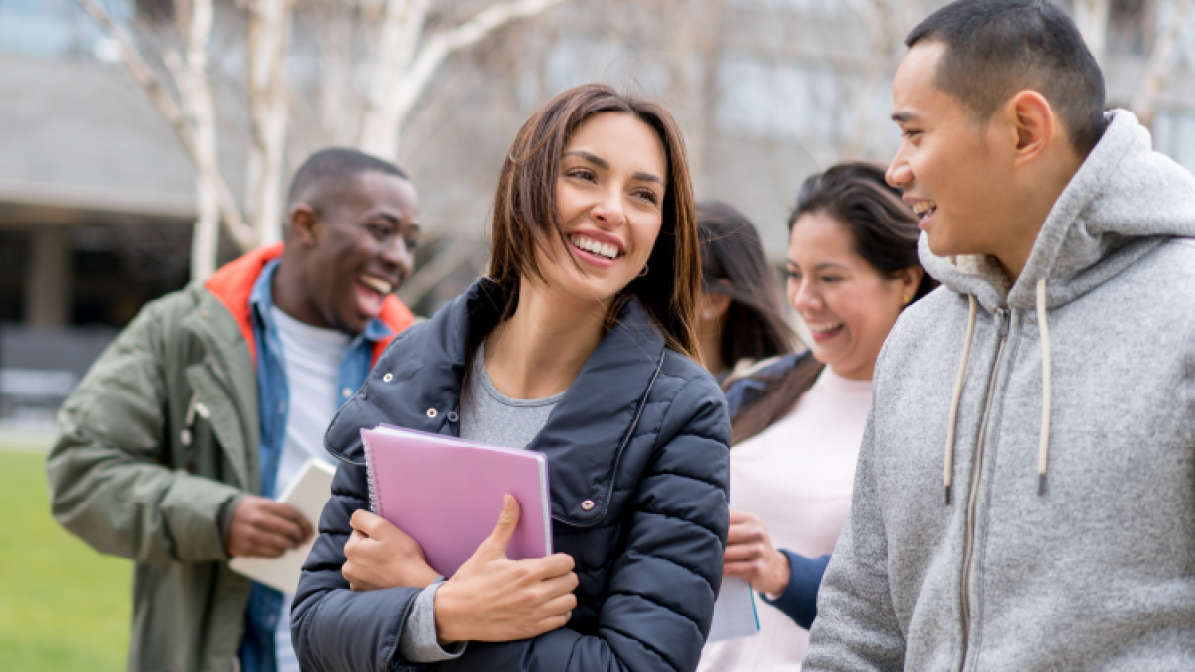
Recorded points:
(941, 246)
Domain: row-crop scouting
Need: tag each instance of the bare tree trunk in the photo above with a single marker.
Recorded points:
(402, 26)
(204, 162)
(190, 73)
(1161, 63)
(389, 105)
(268, 38)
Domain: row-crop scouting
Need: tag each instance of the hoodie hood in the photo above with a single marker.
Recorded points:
(1123, 200)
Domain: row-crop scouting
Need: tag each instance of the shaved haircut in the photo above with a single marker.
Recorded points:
(325, 174)
(997, 48)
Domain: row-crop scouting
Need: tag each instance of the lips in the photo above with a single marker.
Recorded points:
(378, 284)
(924, 209)
(607, 250)
(371, 292)
(824, 331)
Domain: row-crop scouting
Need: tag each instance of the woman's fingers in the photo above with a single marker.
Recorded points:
(742, 570)
(744, 553)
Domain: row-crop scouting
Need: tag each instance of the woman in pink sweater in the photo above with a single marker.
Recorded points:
(798, 420)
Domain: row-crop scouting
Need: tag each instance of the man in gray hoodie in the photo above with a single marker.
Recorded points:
(1025, 493)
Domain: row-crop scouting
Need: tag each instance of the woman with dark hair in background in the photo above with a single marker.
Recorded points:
(580, 345)
(852, 268)
(738, 313)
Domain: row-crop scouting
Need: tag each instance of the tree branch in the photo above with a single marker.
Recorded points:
(382, 137)
(160, 99)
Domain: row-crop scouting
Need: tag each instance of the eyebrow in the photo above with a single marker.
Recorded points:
(393, 220)
(903, 117)
(819, 267)
(605, 165)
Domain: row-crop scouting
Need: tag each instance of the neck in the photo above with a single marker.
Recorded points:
(542, 348)
(1037, 195)
(710, 341)
(290, 297)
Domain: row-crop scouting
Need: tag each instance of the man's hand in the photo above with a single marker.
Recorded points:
(494, 599)
(263, 528)
(379, 555)
(750, 556)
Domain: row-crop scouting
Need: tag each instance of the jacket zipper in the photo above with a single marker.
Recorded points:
(1002, 315)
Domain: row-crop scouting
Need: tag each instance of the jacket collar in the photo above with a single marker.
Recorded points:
(233, 286)
(585, 435)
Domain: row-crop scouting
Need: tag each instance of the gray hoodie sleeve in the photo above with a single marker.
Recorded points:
(856, 627)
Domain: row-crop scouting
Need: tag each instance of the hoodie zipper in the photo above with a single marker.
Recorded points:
(1002, 315)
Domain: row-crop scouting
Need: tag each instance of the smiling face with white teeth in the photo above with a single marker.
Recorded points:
(848, 306)
(954, 169)
(609, 195)
(347, 248)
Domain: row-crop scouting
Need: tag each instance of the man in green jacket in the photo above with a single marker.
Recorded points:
(175, 441)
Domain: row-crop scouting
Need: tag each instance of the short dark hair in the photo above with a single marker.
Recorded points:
(733, 264)
(326, 170)
(995, 48)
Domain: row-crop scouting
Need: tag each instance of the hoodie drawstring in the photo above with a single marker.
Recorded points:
(1043, 452)
(948, 463)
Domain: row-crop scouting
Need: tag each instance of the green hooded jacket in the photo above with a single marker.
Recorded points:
(160, 434)
(157, 437)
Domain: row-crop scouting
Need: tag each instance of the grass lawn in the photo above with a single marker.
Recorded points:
(62, 605)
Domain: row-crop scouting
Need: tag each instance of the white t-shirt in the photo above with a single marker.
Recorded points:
(798, 475)
(312, 358)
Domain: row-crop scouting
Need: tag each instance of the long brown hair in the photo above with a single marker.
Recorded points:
(885, 234)
(526, 217)
(733, 264)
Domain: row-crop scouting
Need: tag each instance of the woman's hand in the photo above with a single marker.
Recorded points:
(379, 555)
(750, 556)
(494, 599)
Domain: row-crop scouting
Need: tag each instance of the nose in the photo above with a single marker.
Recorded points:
(803, 296)
(608, 212)
(398, 257)
(899, 174)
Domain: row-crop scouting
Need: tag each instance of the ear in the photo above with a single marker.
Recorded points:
(719, 304)
(1034, 123)
(715, 303)
(305, 225)
(910, 280)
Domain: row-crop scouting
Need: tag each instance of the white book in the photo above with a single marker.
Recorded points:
(734, 612)
(308, 493)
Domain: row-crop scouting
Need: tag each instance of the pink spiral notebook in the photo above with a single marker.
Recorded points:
(447, 493)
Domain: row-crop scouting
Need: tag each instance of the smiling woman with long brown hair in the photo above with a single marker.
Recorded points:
(580, 345)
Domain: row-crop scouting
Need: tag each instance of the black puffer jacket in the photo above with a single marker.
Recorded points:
(643, 434)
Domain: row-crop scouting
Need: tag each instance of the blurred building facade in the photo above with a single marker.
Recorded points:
(97, 197)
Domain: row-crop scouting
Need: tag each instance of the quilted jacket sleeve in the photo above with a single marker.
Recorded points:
(333, 628)
(662, 589)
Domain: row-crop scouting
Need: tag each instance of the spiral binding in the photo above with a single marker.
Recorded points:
(375, 501)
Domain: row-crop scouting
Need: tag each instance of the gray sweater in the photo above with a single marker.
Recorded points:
(1065, 538)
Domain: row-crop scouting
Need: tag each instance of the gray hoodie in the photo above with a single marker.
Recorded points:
(1060, 415)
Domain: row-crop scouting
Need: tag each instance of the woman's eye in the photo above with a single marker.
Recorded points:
(583, 174)
(792, 275)
(648, 195)
(830, 279)
(910, 134)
